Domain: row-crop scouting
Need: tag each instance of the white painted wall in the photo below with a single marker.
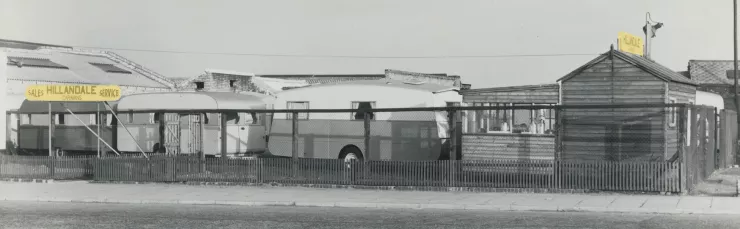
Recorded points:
(3, 105)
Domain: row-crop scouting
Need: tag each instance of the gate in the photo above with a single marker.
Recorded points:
(172, 133)
(190, 133)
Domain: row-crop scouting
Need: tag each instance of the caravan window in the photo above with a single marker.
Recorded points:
(361, 106)
(141, 118)
(233, 117)
(298, 106)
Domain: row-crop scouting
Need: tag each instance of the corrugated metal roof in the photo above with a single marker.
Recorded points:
(387, 83)
(80, 70)
(710, 71)
(324, 79)
(650, 66)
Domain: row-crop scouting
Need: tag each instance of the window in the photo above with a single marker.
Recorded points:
(298, 106)
(360, 114)
(110, 68)
(34, 62)
(140, 118)
(233, 117)
(25, 119)
(516, 120)
(232, 83)
(211, 119)
(672, 114)
(113, 121)
(60, 119)
(252, 118)
(199, 85)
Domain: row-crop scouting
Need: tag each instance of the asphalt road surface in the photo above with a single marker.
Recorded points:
(90, 215)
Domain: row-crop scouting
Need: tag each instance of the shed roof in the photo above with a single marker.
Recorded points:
(79, 67)
(193, 101)
(648, 65)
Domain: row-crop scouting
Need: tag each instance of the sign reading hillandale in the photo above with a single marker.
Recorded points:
(73, 93)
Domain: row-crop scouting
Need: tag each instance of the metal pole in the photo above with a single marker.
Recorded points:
(734, 73)
(51, 132)
(97, 122)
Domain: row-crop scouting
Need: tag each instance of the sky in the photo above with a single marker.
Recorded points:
(197, 29)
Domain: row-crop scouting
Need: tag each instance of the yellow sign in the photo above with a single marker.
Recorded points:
(630, 43)
(73, 93)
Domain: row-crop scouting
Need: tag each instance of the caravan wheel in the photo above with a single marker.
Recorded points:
(350, 153)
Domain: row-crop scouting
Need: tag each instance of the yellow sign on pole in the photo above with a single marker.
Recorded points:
(630, 43)
(73, 93)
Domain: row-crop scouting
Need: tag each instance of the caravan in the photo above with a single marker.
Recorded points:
(418, 135)
(195, 131)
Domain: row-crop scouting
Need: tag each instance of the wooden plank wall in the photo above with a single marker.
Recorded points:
(683, 94)
(508, 147)
(543, 95)
(613, 134)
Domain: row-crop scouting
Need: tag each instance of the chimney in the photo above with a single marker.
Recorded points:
(730, 75)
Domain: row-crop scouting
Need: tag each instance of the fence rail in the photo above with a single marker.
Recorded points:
(580, 175)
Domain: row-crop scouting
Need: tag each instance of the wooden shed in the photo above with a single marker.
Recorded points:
(619, 133)
(484, 138)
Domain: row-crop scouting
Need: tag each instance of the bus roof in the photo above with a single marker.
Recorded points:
(423, 86)
(193, 101)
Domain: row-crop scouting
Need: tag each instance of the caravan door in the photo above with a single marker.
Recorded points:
(252, 133)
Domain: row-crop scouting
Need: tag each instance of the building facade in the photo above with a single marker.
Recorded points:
(619, 78)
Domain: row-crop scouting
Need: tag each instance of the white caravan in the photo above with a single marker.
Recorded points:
(394, 135)
(186, 133)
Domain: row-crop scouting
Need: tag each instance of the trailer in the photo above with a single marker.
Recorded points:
(167, 129)
(393, 135)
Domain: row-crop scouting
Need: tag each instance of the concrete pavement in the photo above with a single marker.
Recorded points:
(82, 191)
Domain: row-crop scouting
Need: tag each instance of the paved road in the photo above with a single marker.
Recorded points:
(88, 215)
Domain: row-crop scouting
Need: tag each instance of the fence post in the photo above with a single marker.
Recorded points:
(365, 169)
(451, 118)
(202, 155)
(224, 134)
(682, 159)
(715, 140)
(294, 142)
(557, 178)
(52, 154)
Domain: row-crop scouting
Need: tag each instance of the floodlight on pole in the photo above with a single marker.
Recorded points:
(649, 30)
